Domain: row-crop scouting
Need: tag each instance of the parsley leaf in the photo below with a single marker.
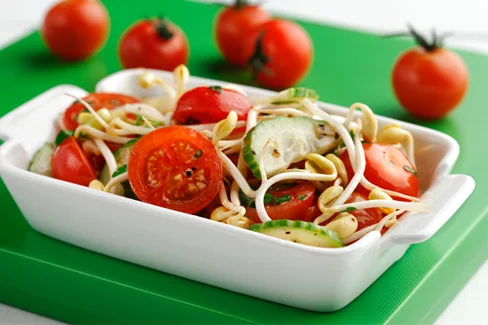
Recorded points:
(269, 198)
(63, 135)
(302, 197)
(246, 200)
(120, 170)
(139, 120)
(283, 199)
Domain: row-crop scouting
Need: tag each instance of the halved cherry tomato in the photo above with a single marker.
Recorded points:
(301, 198)
(234, 24)
(175, 167)
(386, 167)
(365, 217)
(97, 101)
(69, 163)
(210, 105)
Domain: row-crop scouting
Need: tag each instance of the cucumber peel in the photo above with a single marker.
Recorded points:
(122, 158)
(301, 232)
(289, 140)
(41, 162)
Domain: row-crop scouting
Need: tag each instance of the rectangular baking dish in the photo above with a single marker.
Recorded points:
(206, 251)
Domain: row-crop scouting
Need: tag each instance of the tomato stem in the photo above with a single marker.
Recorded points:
(258, 60)
(239, 4)
(162, 28)
(436, 42)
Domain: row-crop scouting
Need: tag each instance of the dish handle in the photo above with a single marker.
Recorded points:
(25, 121)
(445, 197)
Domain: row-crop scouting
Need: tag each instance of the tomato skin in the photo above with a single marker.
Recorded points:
(97, 101)
(175, 167)
(365, 217)
(295, 209)
(288, 52)
(385, 168)
(69, 163)
(235, 24)
(429, 84)
(205, 105)
(142, 47)
(75, 29)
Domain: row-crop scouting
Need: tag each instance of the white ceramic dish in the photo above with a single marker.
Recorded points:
(206, 251)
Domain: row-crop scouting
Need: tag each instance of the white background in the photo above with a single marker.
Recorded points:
(470, 306)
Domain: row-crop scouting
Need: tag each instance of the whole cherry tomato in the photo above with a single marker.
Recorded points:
(75, 29)
(429, 81)
(234, 24)
(153, 44)
(282, 54)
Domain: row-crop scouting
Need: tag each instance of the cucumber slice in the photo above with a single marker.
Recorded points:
(122, 158)
(293, 138)
(41, 162)
(300, 232)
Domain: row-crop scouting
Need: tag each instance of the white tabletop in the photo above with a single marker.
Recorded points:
(470, 305)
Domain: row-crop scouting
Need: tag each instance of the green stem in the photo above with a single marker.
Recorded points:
(162, 28)
(239, 4)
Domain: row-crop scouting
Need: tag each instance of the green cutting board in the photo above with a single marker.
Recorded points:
(55, 279)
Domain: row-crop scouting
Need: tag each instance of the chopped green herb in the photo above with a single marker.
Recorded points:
(120, 170)
(410, 170)
(254, 187)
(139, 120)
(283, 199)
(246, 200)
(349, 209)
(351, 133)
(216, 88)
(302, 197)
(63, 135)
(269, 198)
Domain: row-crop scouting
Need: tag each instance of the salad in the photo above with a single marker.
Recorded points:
(281, 166)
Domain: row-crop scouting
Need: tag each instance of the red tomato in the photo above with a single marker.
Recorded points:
(429, 81)
(75, 29)
(365, 217)
(175, 167)
(313, 212)
(301, 198)
(210, 105)
(386, 167)
(69, 163)
(283, 53)
(97, 101)
(238, 22)
(153, 44)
